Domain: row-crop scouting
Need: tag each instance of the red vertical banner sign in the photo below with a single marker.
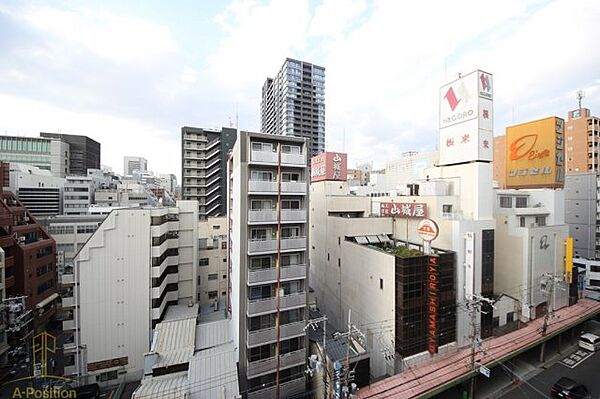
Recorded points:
(432, 303)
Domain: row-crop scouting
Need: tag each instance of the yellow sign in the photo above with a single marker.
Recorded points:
(535, 154)
(55, 387)
(569, 259)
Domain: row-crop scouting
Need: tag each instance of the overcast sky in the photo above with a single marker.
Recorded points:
(130, 73)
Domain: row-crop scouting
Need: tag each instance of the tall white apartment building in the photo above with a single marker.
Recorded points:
(267, 213)
(136, 265)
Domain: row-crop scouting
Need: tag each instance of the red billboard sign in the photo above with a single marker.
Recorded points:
(432, 303)
(403, 209)
(329, 166)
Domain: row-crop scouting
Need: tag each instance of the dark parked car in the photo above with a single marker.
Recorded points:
(567, 388)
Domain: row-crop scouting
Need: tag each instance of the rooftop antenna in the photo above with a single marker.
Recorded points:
(580, 96)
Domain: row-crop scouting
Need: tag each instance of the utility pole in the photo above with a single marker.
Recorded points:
(321, 364)
(474, 305)
(551, 279)
(346, 389)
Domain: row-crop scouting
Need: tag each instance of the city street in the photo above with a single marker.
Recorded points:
(583, 370)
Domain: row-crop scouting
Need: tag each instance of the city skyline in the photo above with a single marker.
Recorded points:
(88, 69)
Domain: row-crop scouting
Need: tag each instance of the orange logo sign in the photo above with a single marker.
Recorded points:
(524, 147)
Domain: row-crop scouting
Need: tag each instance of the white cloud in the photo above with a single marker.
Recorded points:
(119, 39)
(117, 136)
(257, 39)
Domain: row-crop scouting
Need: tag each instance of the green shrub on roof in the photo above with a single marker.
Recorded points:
(405, 252)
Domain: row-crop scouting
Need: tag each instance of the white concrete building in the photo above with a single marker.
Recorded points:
(213, 270)
(131, 164)
(589, 277)
(80, 191)
(530, 250)
(71, 232)
(137, 264)
(125, 195)
(168, 181)
(38, 189)
(408, 169)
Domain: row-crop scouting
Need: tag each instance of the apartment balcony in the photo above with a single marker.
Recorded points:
(270, 245)
(267, 335)
(286, 389)
(67, 279)
(262, 306)
(291, 272)
(69, 347)
(266, 366)
(259, 216)
(270, 187)
(68, 302)
(68, 325)
(271, 158)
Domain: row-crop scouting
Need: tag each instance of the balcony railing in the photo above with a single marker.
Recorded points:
(270, 245)
(289, 187)
(286, 389)
(68, 301)
(68, 325)
(271, 157)
(260, 306)
(270, 216)
(266, 366)
(269, 275)
(267, 335)
(67, 278)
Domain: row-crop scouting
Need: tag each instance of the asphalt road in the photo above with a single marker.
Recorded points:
(585, 372)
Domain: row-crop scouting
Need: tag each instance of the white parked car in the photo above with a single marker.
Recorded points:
(589, 342)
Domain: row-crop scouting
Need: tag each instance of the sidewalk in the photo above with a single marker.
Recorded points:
(431, 378)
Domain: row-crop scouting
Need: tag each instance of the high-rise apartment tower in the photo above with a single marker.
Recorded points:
(204, 168)
(293, 103)
(268, 257)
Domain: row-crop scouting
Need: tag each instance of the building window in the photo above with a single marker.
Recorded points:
(212, 294)
(216, 227)
(540, 220)
(505, 202)
(521, 202)
(203, 262)
(223, 293)
(260, 175)
(510, 317)
(380, 283)
(522, 221)
(213, 276)
(223, 244)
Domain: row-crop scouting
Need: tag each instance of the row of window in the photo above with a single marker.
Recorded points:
(507, 201)
(41, 270)
(269, 204)
(269, 290)
(269, 147)
(268, 262)
(265, 175)
(267, 233)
